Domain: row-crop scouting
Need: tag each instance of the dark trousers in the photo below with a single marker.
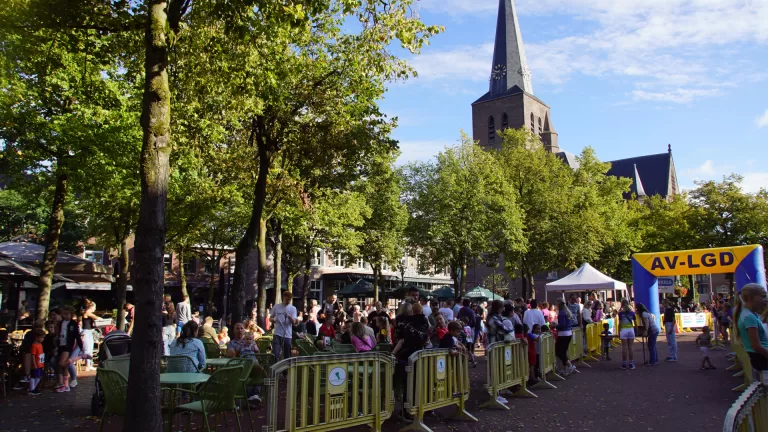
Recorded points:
(561, 348)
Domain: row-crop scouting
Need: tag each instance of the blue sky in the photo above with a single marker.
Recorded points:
(626, 77)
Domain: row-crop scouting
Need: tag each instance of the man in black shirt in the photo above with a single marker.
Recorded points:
(669, 327)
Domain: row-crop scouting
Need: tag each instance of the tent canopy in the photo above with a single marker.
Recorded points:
(586, 278)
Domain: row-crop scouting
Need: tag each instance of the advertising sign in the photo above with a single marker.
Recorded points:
(667, 285)
(693, 320)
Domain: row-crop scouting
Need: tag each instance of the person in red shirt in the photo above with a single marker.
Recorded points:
(327, 332)
(38, 362)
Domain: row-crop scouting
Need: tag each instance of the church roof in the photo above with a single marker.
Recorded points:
(568, 158)
(514, 90)
(651, 174)
(509, 67)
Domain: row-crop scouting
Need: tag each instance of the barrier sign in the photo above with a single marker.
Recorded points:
(508, 355)
(440, 366)
(693, 320)
(667, 285)
(337, 379)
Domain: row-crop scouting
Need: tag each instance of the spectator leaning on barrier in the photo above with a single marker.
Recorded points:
(533, 316)
(653, 332)
(669, 329)
(564, 335)
(749, 327)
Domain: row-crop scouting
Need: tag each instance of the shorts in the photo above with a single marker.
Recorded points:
(36, 373)
(627, 333)
(704, 351)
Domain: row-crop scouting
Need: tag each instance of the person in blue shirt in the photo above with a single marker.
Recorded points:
(627, 334)
(750, 329)
(564, 335)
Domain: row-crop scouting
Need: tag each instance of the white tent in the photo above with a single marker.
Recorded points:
(586, 278)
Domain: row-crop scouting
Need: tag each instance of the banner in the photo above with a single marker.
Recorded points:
(698, 261)
(693, 320)
(667, 285)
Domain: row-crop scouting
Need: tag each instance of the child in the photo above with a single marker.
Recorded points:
(469, 342)
(38, 362)
(385, 333)
(441, 328)
(533, 354)
(749, 328)
(607, 337)
(70, 346)
(249, 346)
(450, 338)
(703, 343)
(223, 337)
(327, 332)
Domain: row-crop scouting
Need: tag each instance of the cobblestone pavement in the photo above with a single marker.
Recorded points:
(669, 397)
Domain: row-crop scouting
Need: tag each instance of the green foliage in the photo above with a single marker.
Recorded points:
(461, 208)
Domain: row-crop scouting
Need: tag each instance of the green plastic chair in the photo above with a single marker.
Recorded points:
(120, 364)
(258, 376)
(241, 392)
(343, 348)
(177, 363)
(114, 385)
(264, 344)
(212, 349)
(217, 395)
(384, 347)
(305, 347)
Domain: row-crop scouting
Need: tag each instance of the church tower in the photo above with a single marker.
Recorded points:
(510, 102)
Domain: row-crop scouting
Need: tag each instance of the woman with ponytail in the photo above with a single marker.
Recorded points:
(749, 328)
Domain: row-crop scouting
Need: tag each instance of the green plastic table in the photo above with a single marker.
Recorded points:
(217, 362)
(179, 379)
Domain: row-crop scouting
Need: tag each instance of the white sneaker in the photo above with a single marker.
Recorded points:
(255, 397)
(571, 369)
(73, 383)
(501, 400)
(506, 392)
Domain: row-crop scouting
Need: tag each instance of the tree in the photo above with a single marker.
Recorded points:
(383, 230)
(461, 209)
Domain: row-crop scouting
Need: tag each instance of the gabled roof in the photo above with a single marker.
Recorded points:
(568, 158)
(654, 170)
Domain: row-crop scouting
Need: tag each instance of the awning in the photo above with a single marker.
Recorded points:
(586, 278)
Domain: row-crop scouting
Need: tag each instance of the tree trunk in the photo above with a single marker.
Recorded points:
(143, 394)
(524, 275)
(460, 292)
(531, 285)
(122, 281)
(183, 273)
(305, 281)
(51, 245)
(261, 276)
(248, 242)
(279, 258)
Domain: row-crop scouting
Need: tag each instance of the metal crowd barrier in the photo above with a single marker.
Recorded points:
(750, 411)
(507, 367)
(324, 393)
(436, 379)
(593, 332)
(547, 362)
(746, 366)
(576, 347)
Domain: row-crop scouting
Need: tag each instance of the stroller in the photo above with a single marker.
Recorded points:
(116, 345)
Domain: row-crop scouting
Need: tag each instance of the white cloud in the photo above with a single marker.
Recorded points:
(762, 121)
(705, 170)
(754, 181)
(672, 51)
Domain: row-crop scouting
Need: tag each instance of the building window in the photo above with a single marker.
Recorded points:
(384, 266)
(539, 126)
(533, 124)
(360, 263)
(317, 258)
(491, 129)
(316, 289)
(504, 121)
(168, 263)
(189, 266)
(210, 266)
(340, 260)
(96, 256)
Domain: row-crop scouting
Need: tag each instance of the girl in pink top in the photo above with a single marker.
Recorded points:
(361, 341)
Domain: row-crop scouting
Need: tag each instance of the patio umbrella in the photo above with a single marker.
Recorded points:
(445, 292)
(359, 289)
(480, 293)
(401, 292)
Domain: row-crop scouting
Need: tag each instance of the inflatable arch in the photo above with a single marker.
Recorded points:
(745, 262)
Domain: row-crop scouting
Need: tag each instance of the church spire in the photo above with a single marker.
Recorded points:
(509, 66)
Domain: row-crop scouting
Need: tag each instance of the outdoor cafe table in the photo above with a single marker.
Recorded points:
(215, 363)
(178, 379)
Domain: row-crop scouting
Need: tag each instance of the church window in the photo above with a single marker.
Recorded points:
(539, 126)
(533, 124)
(491, 129)
(504, 121)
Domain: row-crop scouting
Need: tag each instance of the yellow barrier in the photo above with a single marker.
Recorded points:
(507, 367)
(576, 347)
(616, 342)
(331, 392)
(436, 379)
(593, 341)
(746, 366)
(750, 411)
(547, 362)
